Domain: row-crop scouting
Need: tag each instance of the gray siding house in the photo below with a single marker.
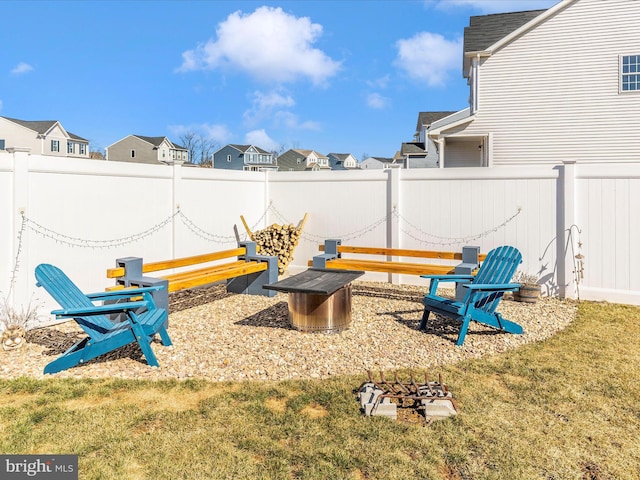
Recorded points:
(43, 137)
(296, 160)
(380, 163)
(244, 157)
(342, 161)
(141, 149)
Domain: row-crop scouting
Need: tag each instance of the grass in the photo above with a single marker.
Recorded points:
(566, 408)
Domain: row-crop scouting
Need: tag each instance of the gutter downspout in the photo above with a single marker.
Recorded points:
(440, 142)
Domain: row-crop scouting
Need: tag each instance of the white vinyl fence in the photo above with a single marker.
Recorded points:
(576, 224)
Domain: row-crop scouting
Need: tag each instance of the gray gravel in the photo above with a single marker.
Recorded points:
(219, 336)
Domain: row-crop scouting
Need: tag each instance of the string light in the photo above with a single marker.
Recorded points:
(87, 243)
(449, 241)
(415, 232)
(211, 237)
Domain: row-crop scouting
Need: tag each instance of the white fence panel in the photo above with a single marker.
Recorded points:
(82, 215)
(6, 221)
(350, 206)
(608, 199)
(446, 209)
(211, 203)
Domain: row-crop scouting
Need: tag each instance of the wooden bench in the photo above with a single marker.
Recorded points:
(247, 273)
(462, 263)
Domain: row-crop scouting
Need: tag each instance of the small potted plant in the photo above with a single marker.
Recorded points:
(14, 324)
(529, 290)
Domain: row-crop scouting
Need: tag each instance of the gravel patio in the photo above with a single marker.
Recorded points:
(231, 337)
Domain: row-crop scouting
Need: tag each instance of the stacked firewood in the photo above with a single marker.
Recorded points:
(277, 241)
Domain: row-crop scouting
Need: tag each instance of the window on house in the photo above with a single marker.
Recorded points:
(133, 154)
(298, 161)
(229, 158)
(83, 149)
(1, 143)
(630, 73)
(55, 146)
(69, 147)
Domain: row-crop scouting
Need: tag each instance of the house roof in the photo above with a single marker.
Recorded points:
(43, 126)
(488, 33)
(289, 160)
(157, 141)
(485, 30)
(340, 156)
(412, 148)
(381, 159)
(427, 118)
(244, 148)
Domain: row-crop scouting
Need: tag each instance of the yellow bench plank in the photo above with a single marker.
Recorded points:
(389, 267)
(401, 252)
(214, 275)
(180, 262)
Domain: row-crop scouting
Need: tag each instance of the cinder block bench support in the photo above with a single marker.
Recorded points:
(252, 283)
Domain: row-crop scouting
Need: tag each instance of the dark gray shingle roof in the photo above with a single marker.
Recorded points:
(42, 127)
(427, 118)
(157, 141)
(244, 148)
(485, 30)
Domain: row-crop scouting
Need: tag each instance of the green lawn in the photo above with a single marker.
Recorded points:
(566, 408)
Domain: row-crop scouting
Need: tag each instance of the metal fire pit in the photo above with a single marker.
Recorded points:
(319, 299)
(309, 312)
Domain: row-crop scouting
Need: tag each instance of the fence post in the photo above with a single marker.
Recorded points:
(393, 218)
(20, 239)
(176, 186)
(566, 244)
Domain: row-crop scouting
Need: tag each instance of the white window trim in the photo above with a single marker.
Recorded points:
(620, 74)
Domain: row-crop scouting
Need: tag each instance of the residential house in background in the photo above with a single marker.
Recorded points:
(413, 155)
(423, 151)
(342, 161)
(380, 163)
(141, 149)
(244, 157)
(300, 160)
(548, 86)
(43, 137)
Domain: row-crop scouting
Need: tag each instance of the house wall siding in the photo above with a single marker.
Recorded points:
(220, 159)
(121, 151)
(18, 136)
(552, 94)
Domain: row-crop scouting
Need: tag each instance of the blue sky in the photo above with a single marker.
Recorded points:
(343, 76)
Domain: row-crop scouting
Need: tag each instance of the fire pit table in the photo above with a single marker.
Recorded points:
(319, 299)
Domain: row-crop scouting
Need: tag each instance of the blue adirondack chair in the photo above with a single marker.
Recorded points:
(143, 319)
(484, 292)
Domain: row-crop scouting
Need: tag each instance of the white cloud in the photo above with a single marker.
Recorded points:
(264, 104)
(292, 121)
(268, 44)
(0, 104)
(495, 6)
(381, 82)
(377, 101)
(260, 139)
(429, 57)
(21, 68)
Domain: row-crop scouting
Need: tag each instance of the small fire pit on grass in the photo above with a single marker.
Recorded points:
(432, 399)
